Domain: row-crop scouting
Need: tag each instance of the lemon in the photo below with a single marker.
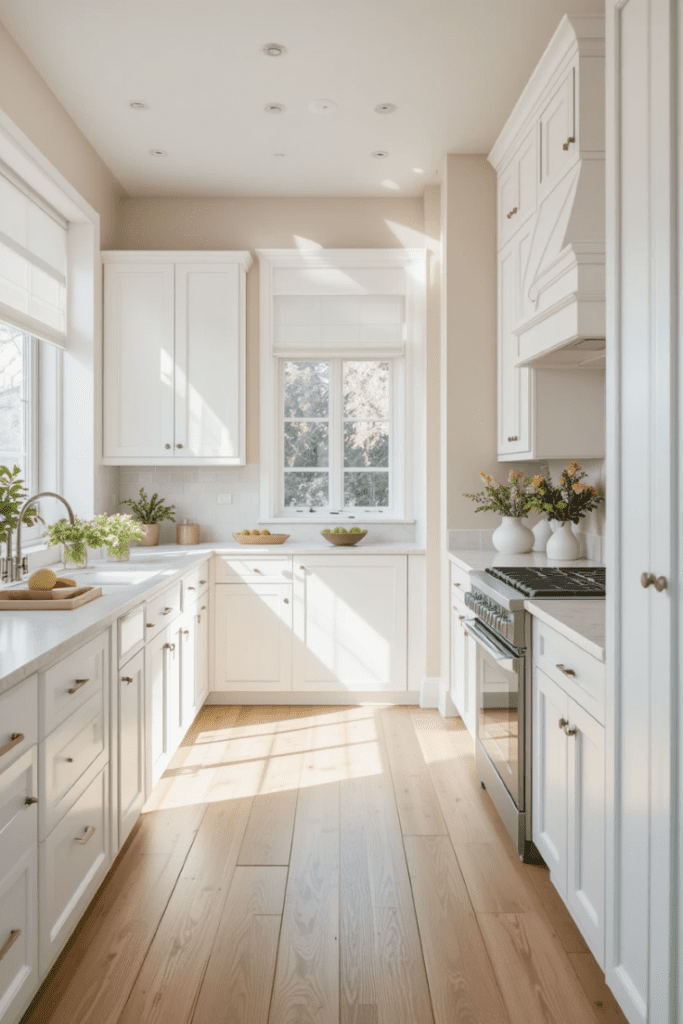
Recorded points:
(43, 579)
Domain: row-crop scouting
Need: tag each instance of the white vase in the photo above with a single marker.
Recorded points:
(563, 546)
(512, 537)
(542, 534)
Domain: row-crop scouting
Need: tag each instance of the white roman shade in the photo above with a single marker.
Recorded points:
(350, 325)
(33, 241)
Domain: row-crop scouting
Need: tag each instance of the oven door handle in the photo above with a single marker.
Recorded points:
(501, 654)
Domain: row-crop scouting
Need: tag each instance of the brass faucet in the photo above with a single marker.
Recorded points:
(19, 566)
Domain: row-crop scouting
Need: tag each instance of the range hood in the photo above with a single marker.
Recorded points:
(562, 319)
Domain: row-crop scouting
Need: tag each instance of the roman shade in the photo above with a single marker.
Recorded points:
(354, 326)
(33, 247)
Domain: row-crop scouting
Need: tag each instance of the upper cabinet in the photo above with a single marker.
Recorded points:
(549, 160)
(174, 358)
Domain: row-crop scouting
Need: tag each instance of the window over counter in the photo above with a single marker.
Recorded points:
(342, 332)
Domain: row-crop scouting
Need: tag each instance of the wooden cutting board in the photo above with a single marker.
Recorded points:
(46, 600)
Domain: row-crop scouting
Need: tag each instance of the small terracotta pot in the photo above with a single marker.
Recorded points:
(151, 537)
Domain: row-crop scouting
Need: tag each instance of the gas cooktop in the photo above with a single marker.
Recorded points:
(553, 582)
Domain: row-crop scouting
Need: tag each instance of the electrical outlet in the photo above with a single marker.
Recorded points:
(225, 499)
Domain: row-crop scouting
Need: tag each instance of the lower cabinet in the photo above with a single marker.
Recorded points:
(131, 744)
(253, 636)
(350, 623)
(162, 708)
(463, 669)
(18, 885)
(73, 860)
(569, 805)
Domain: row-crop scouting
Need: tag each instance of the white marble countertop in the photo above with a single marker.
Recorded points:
(30, 641)
(582, 621)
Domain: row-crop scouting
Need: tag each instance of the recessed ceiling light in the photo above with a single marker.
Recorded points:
(385, 108)
(380, 154)
(322, 107)
(273, 50)
(274, 108)
(138, 105)
(158, 152)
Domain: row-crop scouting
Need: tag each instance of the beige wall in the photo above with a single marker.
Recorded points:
(27, 101)
(468, 338)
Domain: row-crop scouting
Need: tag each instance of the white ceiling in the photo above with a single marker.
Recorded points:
(453, 68)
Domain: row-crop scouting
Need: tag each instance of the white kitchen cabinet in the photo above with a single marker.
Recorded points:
(569, 805)
(174, 358)
(73, 860)
(350, 623)
(201, 648)
(253, 636)
(463, 684)
(559, 144)
(162, 704)
(517, 187)
(131, 744)
(514, 395)
(644, 934)
(188, 672)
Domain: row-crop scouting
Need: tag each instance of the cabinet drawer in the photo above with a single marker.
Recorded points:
(18, 934)
(578, 673)
(195, 584)
(73, 681)
(234, 569)
(18, 819)
(73, 860)
(460, 582)
(162, 610)
(18, 721)
(65, 756)
(131, 633)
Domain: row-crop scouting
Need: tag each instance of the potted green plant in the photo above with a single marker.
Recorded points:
(12, 497)
(565, 504)
(151, 512)
(513, 502)
(75, 539)
(117, 532)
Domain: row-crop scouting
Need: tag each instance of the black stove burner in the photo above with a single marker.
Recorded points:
(553, 582)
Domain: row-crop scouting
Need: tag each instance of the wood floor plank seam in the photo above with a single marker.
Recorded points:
(282, 916)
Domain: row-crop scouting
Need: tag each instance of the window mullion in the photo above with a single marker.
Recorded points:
(336, 435)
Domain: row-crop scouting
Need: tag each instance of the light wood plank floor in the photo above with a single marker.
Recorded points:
(323, 865)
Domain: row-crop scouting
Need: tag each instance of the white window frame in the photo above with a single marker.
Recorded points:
(336, 468)
(408, 392)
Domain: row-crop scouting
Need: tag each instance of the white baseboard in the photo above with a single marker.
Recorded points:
(446, 706)
(429, 692)
(325, 698)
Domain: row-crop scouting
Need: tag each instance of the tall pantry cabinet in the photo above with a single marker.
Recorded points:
(174, 358)
(643, 784)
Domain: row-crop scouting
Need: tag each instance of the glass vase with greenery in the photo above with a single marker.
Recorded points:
(117, 532)
(76, 538)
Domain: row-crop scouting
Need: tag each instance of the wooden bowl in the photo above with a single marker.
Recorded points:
(344, 540)
(270, 538)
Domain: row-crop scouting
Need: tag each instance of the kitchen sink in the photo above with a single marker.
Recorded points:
(113, 575)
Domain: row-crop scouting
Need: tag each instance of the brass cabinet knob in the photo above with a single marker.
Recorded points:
(566, 671)
(31, 800)
(648, 579)
(513, 438)
(563, 723)
(661, 584)
(569, 142)
(126, 679)
(570, 732)
(179, 446)
(286, 600)
(167, 446)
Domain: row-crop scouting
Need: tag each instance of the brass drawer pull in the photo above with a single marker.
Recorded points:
(513, 438)
(202, 582)
(15, 739)
(150, 625)
(566, 671)
(87, 835)
(568, 143)
(563, 723)
(31, 800)
(126, 679)
(570, 732)
(186, 632)
(190, 588)
(167, 611)
(79, 684)
(169, 647)
(13, 936)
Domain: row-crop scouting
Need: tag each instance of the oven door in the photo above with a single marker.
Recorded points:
(500, 708)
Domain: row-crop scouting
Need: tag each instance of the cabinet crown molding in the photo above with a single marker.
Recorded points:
(241, 257)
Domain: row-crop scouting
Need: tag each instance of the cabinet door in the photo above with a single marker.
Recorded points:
(458, 663)
(201, 652)
(558, 132)
(131, 744)
(19, 933)
(138, 360)
(210, 362)
(469, 714)
(550, 777)
(188, 669)
(526, 161)
(508, 201)
(253, 636)
(513, 384)
(162, 684)
(586, 828)
(350, 623)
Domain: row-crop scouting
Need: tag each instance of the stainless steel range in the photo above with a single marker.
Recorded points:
(502, 630)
